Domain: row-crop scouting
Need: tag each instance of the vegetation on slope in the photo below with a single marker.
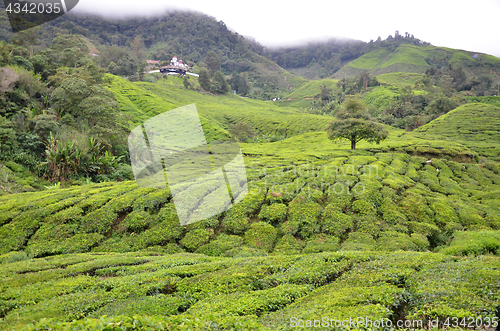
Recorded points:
(414, 59)
(146, 290)
(419, 206)
(357, 201)
(218, 113)
(474, 125)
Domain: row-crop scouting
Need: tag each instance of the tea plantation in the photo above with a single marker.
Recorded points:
(407, 231)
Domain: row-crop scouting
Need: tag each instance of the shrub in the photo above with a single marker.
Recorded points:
(317, 270)
(394, 241)
(416, 209)
(167, 231)
(444, 212)
(341, 202)
(369, 224)
(290, 227)
(426, 229)
(429, 178)
(451, 187)
(306, 214)
(251, 303)
(275, 213)
(335, 222)
(221, 245)
(252, 201)
(261, 235)
(321, 243)
(236, 220)
(196, 238)
(394, 215)
(117, 243)
(359, 241)
(474, 243)
(421, 241)
(288, 244)
(475, 172)
(136, 221)
(244, 251)
(469, 216)
(363, 208)
(13, 256)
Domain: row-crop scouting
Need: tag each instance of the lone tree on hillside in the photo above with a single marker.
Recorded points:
(355, 124)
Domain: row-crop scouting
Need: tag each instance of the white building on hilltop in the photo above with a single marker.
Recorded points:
(176, 67)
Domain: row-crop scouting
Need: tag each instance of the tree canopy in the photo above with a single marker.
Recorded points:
(355, 124)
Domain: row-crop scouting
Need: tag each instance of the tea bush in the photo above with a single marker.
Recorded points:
(221, 245)
(321, 243)
(474, 243)
(196, 238)
(261, 235)
(275, 213)
(288, 244)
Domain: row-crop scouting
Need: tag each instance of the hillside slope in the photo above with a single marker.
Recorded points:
(148, 291)
(356, 200)
(416, 59)
(145, 100)
(475, 125)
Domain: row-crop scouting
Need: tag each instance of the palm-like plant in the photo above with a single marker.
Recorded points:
(66, 159)
(63, 159)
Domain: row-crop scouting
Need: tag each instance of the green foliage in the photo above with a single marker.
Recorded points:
(66, 160)
(196, 238)
(390, 199)
(204, 79)
(136, 221)
(239, 84)
(261, 235)
(473, 125)
(188, 290)
(455, 289)
(304, 217)
(236, 220)
(242, 132)
(274, 213)
(219, 84)
(321, 243)
(394, 241)
(213, 62)
(288, 244)
(359, 241)
(354, 127)
(253, 303)
(335, 222)
(8, 141)
(474, 243)
(221, 245)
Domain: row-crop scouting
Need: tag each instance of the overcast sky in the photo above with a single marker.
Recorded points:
(470, 25)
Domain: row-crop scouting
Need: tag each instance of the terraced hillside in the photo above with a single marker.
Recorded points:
(410, 59)
(145, 100)
(374, 202)
(475, 125)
